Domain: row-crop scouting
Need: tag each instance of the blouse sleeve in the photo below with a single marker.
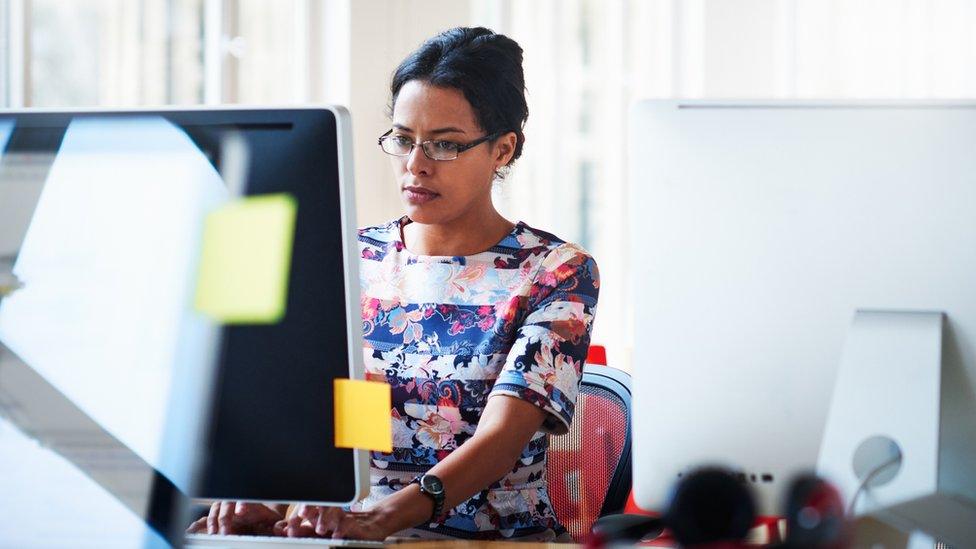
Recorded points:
(545, 364)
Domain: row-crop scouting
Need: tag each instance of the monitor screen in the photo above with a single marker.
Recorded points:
(273, 439)
(101, 215)
(762, 227)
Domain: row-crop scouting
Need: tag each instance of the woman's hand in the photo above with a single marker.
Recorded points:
(333, 522)
(229, 517)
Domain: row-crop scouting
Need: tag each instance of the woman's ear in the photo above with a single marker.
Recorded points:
(505, 149)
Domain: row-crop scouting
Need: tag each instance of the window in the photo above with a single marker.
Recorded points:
(269, 51)
(137, 52)
(159, 52)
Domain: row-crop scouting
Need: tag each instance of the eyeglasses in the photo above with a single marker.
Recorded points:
(401, 145)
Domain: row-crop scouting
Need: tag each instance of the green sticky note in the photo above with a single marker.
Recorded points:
(246, 259)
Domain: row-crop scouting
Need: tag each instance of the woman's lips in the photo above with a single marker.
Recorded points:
(418, 195)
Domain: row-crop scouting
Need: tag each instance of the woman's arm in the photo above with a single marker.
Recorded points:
(507, 425)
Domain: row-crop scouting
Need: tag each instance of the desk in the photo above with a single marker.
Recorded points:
(270, 543)
(867, 532)
(468, 544)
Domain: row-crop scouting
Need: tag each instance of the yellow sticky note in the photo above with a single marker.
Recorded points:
(362, 415)
(246, 259)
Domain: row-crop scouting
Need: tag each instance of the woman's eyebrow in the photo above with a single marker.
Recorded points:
(449, 129)
(438, 131)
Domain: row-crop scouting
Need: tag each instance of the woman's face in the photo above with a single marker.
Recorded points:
(441, 192)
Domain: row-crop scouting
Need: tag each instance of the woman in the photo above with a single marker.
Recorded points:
(480, 325)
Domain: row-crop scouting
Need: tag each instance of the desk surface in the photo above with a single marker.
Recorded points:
(466, 544)
(867, 531)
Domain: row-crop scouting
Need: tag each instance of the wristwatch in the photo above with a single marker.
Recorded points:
(432, 487)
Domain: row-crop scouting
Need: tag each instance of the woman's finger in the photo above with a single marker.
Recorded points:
(302, 529)
(346, 527)
(260, 511)
(308, 512)
(225, 518)
(212, 518)
(329, 518)
(242, 508)
(296, 529)
(198, 526)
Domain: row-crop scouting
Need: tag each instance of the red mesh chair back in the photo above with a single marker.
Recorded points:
(589, 467)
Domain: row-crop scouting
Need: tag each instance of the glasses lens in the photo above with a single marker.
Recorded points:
(441, 150)
(397, 145)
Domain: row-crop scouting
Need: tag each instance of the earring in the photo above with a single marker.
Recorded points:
(502, 172)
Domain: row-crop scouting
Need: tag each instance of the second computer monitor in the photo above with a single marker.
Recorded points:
(759, 229)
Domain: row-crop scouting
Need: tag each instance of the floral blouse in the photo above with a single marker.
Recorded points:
(448, 333)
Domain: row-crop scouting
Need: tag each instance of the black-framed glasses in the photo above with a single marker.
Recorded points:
(434, 149)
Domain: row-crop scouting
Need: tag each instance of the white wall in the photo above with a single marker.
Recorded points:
(378, 35)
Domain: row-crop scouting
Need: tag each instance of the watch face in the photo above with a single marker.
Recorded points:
(432, 484)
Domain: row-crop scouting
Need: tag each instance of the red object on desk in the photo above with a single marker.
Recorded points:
(597, 355)
(772, 528)
(631, 507)
(664, 540)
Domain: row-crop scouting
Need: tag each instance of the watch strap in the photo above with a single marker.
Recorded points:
(437, 498)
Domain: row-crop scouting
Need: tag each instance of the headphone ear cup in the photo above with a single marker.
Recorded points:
(815, 515)
(710, 505)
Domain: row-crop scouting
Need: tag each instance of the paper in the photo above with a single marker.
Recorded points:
(362, 415)
(246, 260)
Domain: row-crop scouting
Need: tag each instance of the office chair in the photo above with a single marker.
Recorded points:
(589, 467)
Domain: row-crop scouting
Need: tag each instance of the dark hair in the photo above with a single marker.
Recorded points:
(486, 67)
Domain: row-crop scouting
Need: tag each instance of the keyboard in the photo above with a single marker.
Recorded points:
(205, 541)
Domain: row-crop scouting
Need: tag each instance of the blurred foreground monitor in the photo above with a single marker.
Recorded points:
(111, 382)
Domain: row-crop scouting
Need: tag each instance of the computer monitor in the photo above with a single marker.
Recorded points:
(758, 229)
(135, 398)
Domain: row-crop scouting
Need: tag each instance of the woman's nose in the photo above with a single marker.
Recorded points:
(418, 163)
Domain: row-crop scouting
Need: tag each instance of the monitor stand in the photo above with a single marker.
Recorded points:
(885, 445)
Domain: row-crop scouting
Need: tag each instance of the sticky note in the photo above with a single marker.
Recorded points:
(362, 415)
(246, 259)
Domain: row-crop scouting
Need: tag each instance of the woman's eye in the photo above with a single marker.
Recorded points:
(401, 140)
(446, 145)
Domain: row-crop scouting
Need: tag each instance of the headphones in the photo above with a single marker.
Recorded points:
(712, 506)
(815, 515)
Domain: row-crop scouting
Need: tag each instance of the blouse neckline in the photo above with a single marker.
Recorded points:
(402, 246)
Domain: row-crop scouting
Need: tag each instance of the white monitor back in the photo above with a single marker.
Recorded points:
(758, 229)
